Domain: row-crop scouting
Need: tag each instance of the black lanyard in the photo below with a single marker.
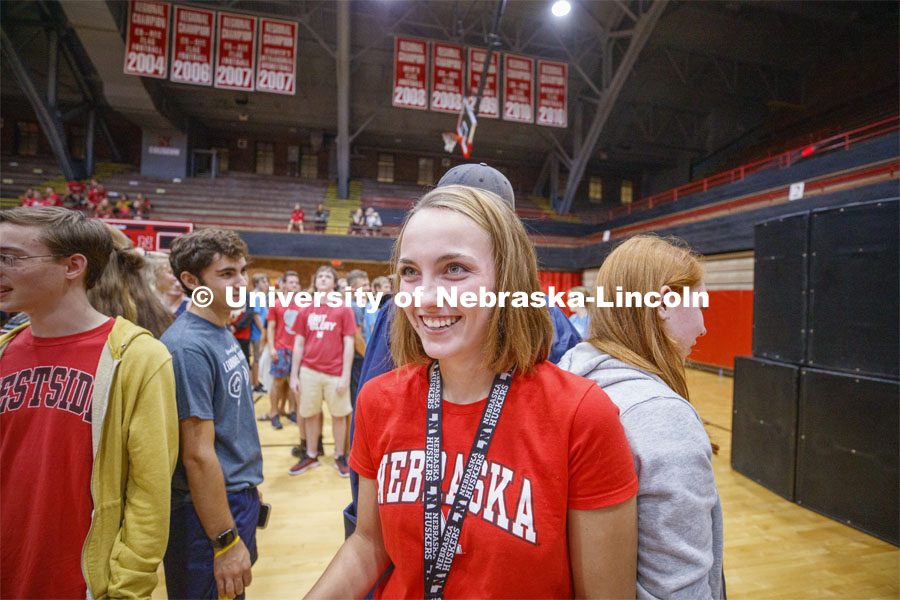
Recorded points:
(440, 550)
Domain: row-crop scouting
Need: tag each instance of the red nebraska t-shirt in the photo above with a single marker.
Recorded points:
(558, 445)
(45, 461)
(285, 324)
(296, 215)
(323, 330)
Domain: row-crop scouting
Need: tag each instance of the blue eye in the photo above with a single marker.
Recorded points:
(456, 269)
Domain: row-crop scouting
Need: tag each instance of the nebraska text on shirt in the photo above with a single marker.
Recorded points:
(498, 490)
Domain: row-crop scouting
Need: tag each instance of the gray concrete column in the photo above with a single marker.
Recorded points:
(343, 99)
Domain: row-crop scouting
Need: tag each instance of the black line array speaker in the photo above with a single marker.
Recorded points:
(854, 289)
(780, 282)
(847, 453)
(764, 423)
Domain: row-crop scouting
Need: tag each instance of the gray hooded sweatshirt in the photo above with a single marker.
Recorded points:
(679, 513)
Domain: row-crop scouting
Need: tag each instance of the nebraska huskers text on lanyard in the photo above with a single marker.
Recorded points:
(440, 550)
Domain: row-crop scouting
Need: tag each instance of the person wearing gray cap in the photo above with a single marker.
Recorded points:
(480, 176)
(378, 352)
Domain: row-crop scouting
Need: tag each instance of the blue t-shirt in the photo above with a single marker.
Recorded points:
(369, 323)
(212, 381)
(359, 314)
(255, 333)
(581, 324)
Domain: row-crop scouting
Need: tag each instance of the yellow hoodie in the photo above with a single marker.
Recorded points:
(135, 442)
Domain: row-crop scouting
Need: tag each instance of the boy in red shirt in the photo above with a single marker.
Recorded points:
(320, 369)
(280, 323)
(88, 424)
(296, 221)
(51, 198)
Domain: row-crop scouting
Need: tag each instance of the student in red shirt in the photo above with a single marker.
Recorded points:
(51, 198)
(28, 197)
(280, 324)
(75, 194)
(88, 424)
(320, 371)
(296, 221)
(96, 194)
(485, 470)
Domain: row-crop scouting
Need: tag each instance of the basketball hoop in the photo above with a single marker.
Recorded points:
(450, 141)
(465, 127)
(465, 131)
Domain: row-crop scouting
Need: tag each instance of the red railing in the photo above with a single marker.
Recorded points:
(779, 161)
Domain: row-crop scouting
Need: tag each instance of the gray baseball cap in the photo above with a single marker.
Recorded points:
(482, 177)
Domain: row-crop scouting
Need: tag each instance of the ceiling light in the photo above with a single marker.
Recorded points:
(561, 8)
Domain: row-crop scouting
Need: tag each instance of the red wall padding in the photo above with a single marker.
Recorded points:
(562, 282)
(729, 320)
(729, 328)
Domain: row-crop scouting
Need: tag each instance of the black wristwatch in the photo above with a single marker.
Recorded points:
(223, 539)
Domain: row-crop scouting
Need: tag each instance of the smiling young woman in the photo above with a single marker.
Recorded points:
(541, 503)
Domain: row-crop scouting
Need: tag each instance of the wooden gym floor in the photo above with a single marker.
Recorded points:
(773, 548)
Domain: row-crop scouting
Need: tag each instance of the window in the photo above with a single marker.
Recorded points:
(28, 138)
(595, 190)
(626, 190)
(221, 159)
(386, 168)
(426, 171)
(309, 164)
(265, 158)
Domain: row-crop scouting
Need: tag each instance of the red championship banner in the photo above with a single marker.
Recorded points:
(553, 85)
(276, 63)
(192, 48)
(447, 70)
(147, 42)
(234, 52)
(518, 88)
(490, 107)
(410, 73)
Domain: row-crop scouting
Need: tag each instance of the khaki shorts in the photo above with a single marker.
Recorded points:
(316, 387)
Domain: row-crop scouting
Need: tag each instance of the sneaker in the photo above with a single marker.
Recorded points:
(260, 389)
(305, 464)
(340, 463)
(276, 422)
(292, 417)
(300, 450)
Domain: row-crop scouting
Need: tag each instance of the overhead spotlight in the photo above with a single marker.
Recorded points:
(561, 8)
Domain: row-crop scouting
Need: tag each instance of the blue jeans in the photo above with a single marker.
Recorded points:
(189, 557)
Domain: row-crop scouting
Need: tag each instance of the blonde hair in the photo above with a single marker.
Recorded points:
(580, 289)
(123, 291)
(154, 262)
(519, 337)
(635, 335)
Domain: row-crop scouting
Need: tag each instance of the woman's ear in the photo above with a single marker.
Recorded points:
(663, 311)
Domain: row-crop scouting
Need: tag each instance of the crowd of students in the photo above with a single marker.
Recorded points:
(591, 478)
(91, 199)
